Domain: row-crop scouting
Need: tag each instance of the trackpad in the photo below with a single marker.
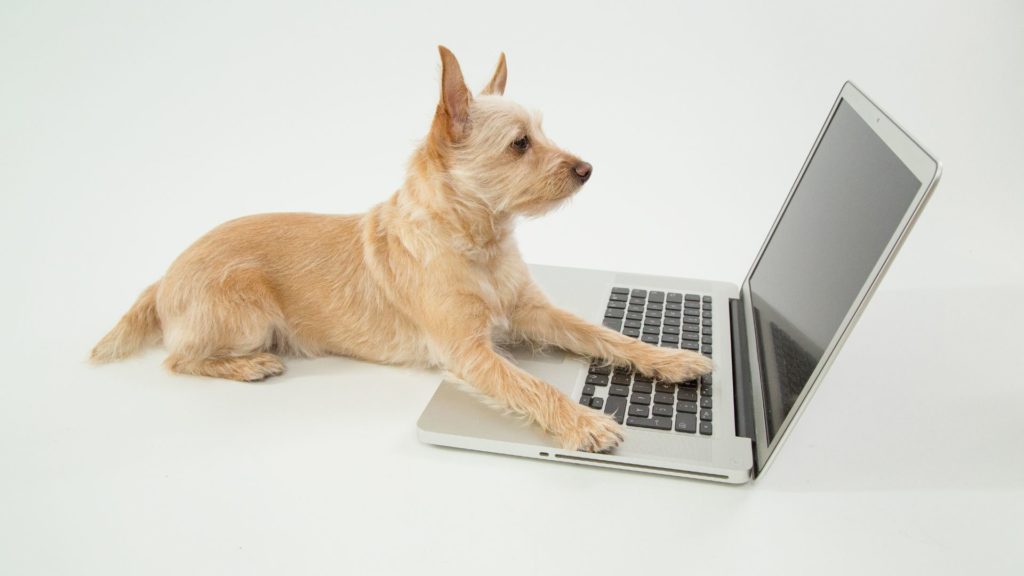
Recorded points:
(551, 365)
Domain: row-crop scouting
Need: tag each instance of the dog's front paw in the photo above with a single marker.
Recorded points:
(589, 430)
(674, 365)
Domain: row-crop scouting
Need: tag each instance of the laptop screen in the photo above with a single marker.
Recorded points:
(842, 214)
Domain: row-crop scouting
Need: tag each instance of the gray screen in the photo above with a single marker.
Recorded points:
(841, 216)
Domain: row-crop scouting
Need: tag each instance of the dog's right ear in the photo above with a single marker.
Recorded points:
(453, 109)
(497, 83)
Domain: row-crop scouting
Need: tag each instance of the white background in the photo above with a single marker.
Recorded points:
(127, 129)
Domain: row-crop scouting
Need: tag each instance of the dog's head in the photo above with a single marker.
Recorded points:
(494, 149)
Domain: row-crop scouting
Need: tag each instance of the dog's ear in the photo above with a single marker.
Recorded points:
(453, 109)
(497, 83)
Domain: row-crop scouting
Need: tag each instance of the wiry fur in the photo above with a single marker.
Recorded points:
(423, 278)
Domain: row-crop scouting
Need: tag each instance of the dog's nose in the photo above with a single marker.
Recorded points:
(583, 170)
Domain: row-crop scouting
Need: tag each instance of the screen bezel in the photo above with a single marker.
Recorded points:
(927, 170)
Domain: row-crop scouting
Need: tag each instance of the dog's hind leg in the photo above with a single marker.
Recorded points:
(227, 330)
(245, 368)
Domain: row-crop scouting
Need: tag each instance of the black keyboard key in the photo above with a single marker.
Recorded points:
(691, 316)
(705, 402)
(706, 331)
(690, 327)
(705, 390)
(670, 321)
(634, 315)
(639, 410)
(618, 305)
(692, 298)
(689, 346)
(654, 306)
(691, 305)
(613, 323)
(617, 390)
(620, 379)
(686, 407)
(601, 370)
(707, 298)
(642, 378)
(674, 297)
(643, 387)
(618, 298)
(614, 313)
(705, 415)
(660, 410)
(664, 398)
(639, 293)
(706, 306)
(665, 387)
(597, 403)
(670, 339)
(631, 332)
(672, 314)
(666, 329)
(638, 398)
(653, 313)
(635, 308)
(585, 400)
(651, 339)
(652, 322)
(705, 428)
(619, 290)
(686, 423)
(706, 349)
(670, 345)
(652, 330)
(707, 379)
(597, 380)
(706, 321)
(655, 296)
(688, 384)
(691, 336)
(616, 407)
(656, 423)
(633, 323)
(673, 306)
(686, 394)
(589, 390)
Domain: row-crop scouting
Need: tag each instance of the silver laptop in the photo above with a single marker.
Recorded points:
(772, 338)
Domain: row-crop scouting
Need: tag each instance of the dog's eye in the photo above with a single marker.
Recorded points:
(521, 144)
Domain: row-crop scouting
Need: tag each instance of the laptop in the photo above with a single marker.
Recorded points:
(772, 338)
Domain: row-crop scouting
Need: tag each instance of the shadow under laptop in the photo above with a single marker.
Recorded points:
(922, 397)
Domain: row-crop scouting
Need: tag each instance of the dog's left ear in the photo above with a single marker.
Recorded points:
(497, 83)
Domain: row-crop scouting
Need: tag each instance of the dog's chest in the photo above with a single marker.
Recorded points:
(497, 285)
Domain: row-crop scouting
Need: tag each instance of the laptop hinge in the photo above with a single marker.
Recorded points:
(741, 381)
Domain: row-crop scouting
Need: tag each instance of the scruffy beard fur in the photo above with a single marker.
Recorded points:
(424, 278)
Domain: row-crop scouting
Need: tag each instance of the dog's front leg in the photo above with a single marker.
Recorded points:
(469, 354)
(538, 320)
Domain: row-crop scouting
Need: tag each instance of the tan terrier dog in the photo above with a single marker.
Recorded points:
(424, 278)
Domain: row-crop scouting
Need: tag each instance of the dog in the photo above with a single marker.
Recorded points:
(428, 277)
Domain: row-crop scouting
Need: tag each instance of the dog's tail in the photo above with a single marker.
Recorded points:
(138, 328)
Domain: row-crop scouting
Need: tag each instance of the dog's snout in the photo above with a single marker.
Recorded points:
(583, 170)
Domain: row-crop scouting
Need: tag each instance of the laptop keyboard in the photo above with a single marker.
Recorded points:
(672, 320)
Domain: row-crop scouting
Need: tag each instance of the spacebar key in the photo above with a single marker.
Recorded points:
(658, 423)
(616, 406)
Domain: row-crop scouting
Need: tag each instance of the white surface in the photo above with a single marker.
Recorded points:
(128, 130)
